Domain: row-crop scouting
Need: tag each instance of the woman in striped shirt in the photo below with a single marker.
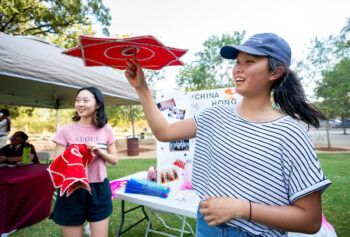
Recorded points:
(254, 166)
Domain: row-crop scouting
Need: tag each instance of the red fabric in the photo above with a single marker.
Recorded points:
(114, 52)
(25, 196)
(67, 171)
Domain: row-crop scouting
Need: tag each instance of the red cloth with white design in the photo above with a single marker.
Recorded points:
(114, 52)
(67, 171)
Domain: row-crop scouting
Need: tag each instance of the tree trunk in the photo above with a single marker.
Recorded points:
(133, 128)
(344, 126)
(328, 137)
(132, 120)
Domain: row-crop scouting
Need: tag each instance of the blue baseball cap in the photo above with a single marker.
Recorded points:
(264, 44)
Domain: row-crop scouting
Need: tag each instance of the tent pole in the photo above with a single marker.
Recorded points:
(56, 120)
(57, 106)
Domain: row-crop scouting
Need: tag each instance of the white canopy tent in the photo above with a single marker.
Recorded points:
(35, 73)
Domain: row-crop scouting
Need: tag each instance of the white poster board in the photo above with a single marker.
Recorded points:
(176, 106)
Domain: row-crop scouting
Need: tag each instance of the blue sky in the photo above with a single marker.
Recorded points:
(188, 23)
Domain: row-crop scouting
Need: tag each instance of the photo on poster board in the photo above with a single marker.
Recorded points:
(181, 145)
(168, 175)
(176, 113)
(181, 105)
(167, 104)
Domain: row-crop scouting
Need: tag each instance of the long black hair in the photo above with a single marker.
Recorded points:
(100, 117)
(21, 134)
(289, 95)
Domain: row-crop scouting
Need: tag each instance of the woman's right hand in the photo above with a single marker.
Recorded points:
(135, 75)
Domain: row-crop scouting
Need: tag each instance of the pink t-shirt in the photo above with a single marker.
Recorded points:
(75, 133)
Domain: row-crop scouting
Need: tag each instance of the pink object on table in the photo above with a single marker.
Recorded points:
(116, 185)
(152, 174)
(328, 228)
(187, 183)
(114, 52)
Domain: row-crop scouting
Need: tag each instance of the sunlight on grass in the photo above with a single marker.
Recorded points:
(336, 199)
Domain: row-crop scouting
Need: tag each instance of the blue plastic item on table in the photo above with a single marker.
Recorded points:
(140, 186)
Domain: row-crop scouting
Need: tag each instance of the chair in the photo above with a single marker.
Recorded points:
(43, 157)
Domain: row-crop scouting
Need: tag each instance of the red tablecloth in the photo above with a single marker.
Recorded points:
(25, 196)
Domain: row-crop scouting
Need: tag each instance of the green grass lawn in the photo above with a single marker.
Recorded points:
(336, 199)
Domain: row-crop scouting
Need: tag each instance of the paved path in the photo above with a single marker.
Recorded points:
(337, 138)
(146, 151)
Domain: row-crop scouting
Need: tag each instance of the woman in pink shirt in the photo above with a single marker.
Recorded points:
(89, 127)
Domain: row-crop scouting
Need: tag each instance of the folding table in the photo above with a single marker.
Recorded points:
(183, 204)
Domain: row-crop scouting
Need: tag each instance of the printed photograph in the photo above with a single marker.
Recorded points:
(181, 145)
(164, 105)
(168, 175)
(176, 113)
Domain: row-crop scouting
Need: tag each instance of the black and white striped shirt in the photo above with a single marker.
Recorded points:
(272, 163)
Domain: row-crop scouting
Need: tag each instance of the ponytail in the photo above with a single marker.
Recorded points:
(289, 95)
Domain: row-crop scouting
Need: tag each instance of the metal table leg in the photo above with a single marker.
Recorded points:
(181, 231)
(124, 212)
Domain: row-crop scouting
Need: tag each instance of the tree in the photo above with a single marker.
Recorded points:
(69, 38)
(334, 89)
(210, 70)
(118, 115)
(326, 65)
(36, 120)
(40, 18)
(344, 35)
(16, 111)
(325, 53)
(153, 76)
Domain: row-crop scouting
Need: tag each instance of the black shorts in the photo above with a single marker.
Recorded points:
(82, 206)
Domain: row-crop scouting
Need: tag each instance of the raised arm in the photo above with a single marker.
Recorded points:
(160, 127)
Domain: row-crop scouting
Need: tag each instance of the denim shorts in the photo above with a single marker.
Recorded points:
(203, 230)
(82, 206)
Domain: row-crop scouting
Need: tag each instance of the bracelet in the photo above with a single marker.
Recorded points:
(250, 210)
